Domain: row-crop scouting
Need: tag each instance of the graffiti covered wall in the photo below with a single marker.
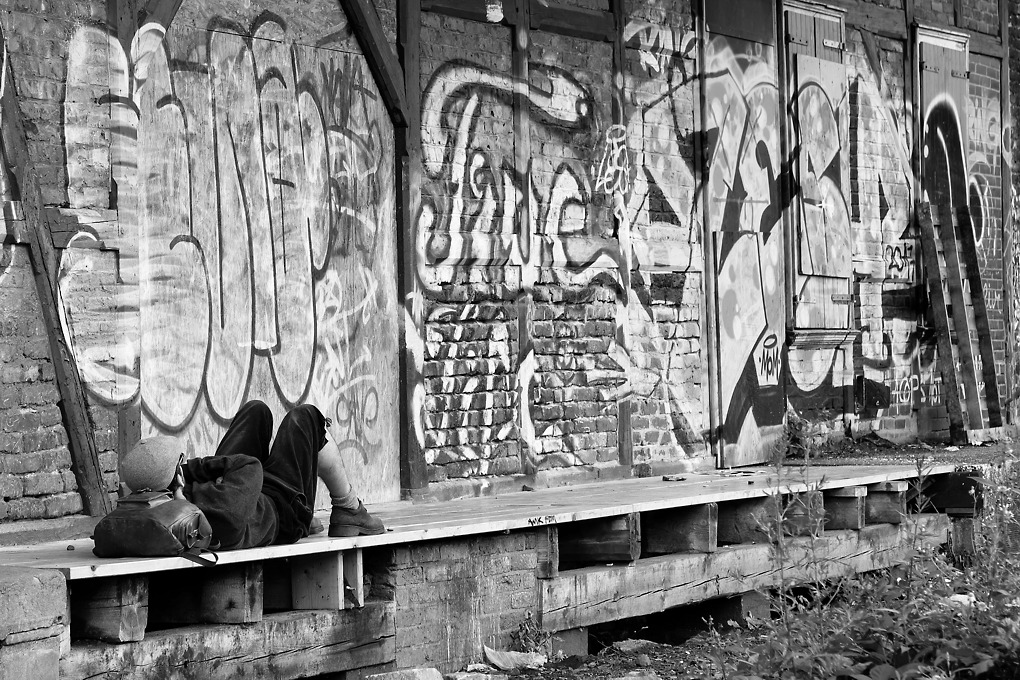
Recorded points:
(254, 256)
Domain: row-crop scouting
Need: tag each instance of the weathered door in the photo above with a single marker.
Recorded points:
(742, 207)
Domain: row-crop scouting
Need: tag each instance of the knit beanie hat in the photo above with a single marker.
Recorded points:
(151, 463)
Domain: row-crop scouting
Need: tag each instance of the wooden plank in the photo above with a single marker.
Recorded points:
(574, 22)
(968, 255)
(317, 582)
(953, 277)
(548, 553)
(382, 62)
(658, 583)
(354, 579)
(113, 610)
(844, 508)
(280, 647)
(682, 530)
(616, 539)
(74, 406)
(747, 521)
(940, 316)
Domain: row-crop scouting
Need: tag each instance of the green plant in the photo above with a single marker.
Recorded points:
(928, 618)
(529, 636)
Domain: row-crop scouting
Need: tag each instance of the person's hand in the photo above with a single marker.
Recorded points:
(177, 485)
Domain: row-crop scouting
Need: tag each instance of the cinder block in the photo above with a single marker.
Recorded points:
(38, 659)
(31, 599)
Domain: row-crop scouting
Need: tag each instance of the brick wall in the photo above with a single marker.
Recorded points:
(36, 481)
(981, 15)
(454, 596)
(38, 34)
(984, 137)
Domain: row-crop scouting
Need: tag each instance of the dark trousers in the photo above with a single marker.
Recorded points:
(289, 462)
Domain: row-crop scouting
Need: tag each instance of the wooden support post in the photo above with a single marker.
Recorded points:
(844, 508)
(599, 541)
(77, 421)
(747, 521)
(958, 494)
(112, 609)
(886, 502)
(407, 168)
(693, 529)
(317, 581)
(963, 538)
(804, 514)
(382, 62)
(232, 594)
(548, 553)
(354, 579)
(743, 609)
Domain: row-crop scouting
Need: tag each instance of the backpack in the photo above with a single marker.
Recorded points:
(154, 523)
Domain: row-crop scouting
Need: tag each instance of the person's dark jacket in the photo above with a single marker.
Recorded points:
(228, 489)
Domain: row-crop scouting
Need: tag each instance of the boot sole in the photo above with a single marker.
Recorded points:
(349, 531)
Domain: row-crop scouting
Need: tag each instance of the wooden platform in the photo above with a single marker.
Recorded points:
(605, 552)
(410, 523)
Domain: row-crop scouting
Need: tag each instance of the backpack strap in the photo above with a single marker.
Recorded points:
(197, 555)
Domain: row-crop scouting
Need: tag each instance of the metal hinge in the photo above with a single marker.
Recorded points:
(798, 41)
(960, 74)
(833, 44)
(929, 69)
(843, 299)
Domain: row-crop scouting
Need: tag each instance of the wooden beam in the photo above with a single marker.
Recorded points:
(747, 521)
(472, 10)
(844, 508)
(280, 647)
(886, 503)
(227, 594)
(548, 553)
(407, 168)
(968, 256)
(651, 585)
(573, 22)
(940, 314)
(949, 236)
(354, 579)
(113, 609)
(614, 539)
(317, 581)
(693, 529)
(804, 514)
(382, 62)
(74, 405)
(884, 21)
(161, 12)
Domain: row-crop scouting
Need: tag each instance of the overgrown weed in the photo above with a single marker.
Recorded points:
(932, 617)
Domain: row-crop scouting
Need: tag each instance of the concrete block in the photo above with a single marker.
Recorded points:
(38, 659)
(31, 599)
